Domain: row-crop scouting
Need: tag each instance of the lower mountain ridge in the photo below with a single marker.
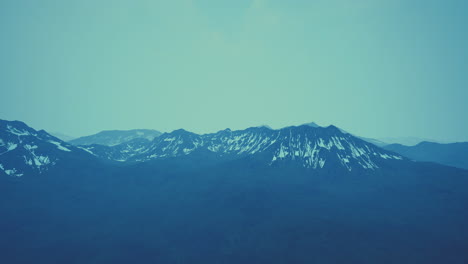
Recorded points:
(450, 154)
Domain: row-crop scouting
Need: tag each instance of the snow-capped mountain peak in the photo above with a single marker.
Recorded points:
(311, 124)
(25, 150)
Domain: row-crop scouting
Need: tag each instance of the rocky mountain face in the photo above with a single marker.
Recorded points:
(24, 150)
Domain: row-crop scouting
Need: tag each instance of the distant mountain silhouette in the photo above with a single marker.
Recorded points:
(116, 137)
(406, 141)
(452, 154)
(62, 136)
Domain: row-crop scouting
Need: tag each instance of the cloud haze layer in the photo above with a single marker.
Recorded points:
(375, 68)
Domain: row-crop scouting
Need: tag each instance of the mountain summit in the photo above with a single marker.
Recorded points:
(24, 150)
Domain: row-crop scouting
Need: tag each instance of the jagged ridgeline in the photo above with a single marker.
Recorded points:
(311, 147)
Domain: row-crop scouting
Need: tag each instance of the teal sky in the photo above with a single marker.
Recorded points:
(377, 68)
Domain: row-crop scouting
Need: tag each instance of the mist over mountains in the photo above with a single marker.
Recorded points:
(115, 137)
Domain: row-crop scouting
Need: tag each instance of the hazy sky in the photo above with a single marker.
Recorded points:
(373, 67)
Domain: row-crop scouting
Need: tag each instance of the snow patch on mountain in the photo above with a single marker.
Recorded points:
(17, 132)
(10, 172)
(59, 146)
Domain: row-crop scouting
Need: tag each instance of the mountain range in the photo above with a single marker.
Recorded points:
(123, 145)
(307, 146)
(300, 194)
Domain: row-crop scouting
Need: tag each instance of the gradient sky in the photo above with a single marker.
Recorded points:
(377, 68)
